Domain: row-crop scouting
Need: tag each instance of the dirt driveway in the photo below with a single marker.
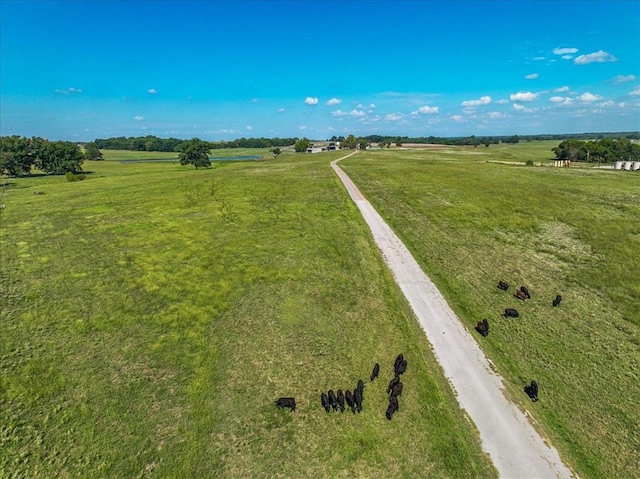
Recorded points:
(517, 450)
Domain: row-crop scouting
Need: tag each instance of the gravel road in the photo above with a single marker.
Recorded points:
(515, 447)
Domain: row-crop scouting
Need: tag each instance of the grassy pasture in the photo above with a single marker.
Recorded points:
(151, 314)
(573, 231)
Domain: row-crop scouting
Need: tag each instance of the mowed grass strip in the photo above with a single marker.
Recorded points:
(571, 231)
(152, 314)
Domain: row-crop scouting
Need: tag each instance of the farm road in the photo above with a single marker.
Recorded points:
(516, 449)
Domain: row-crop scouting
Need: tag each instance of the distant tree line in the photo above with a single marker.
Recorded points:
(605, 150)
(153, 143)
(18, 155)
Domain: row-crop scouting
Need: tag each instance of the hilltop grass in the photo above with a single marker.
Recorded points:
(152, 314)
(569, 231)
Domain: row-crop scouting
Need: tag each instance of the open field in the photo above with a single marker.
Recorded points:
(152, 313)
(570, 231)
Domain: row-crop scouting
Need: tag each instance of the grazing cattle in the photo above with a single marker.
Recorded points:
(392, 383)
(483, 327)
(326, 404)
(360, 387)
(532, 391)
(525, 291)
(333, 400)
(357, 400)
(398, 360)
(392, 408)
(340, 398)
(286, 403)
(521, 295)
(376, 371)
(401, 367)
(511, 313)
(396, 390)
(503, 286)
(556, 301)
(349, 398)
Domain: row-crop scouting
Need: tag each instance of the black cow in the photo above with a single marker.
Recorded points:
(556, 301)
(349, 398)
(532, 391)
(326, 404)
(360, 387)
(286, 403)
(376, 371)
(483, 327)
(392, 408)
(333, 400)
(401, 367)
(398, 360)
(511, 313)
(503, 286)
(525, 291)
(396, 390)
(340, 398)
(392, 383)
(357, 400)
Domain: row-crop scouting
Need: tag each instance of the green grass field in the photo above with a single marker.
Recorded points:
(573, 231)
(152, 313)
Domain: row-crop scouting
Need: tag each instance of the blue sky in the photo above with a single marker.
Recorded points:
(80, 70)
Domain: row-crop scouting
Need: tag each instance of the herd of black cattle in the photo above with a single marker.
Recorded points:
(336, 400)
(523, 294)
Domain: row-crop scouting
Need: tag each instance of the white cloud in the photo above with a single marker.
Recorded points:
(624, 78)
(496, 114)
(561, 89)
(69, 90)
(635, 91)
(311, 101)
(537, 59)
(357, 113)
(484, 100)
(523, 96)
(606, 104)
(334, 101)
(339, 113)
(567, 57)
(372, 106)
(599, 57)
(502, 102)
(588, 97)
(457, 118)
(564, 51)
(518, 107)
(564, 100)
(152, 91)
(532, 76)
(249, 127)
(138, 118)
(303, 127)
(427, 110)
(280, 110)
(394, 116)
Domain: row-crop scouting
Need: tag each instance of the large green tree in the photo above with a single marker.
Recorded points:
(349, 143)
(59, 157)
(91, 152)
(302, 145)
(18, 154)
(195, 152)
